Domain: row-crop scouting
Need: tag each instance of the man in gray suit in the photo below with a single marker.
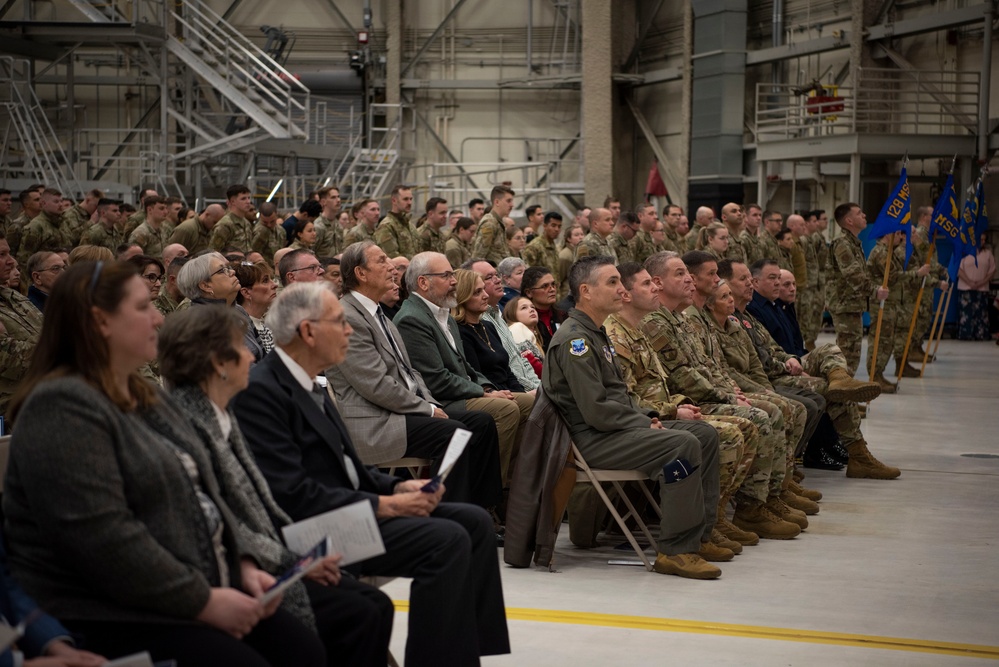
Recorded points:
(437, 352)
(387, 407)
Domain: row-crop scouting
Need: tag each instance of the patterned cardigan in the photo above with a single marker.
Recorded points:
(246, 492)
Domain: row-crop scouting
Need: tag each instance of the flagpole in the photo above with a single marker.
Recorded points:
(943, 318)
(881, 308)
(933, 328)
(915, 313)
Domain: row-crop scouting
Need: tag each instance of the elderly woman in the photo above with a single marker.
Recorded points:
(481, 342)
(205, 362)
(257, 291)
(211, 279)
(125, 535)
(511, 271)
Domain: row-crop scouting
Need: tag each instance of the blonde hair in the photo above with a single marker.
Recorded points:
(463, 292)
(708, 232)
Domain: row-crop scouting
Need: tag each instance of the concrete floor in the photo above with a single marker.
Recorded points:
(901, 572)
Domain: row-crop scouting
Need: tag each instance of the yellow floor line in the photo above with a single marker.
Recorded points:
(750, 631)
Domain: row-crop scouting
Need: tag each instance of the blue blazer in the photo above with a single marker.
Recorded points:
(772, 316)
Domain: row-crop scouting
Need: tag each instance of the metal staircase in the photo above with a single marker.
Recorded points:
(371, 168)
(30, 148)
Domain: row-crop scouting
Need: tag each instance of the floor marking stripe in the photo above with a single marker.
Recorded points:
(748, 631)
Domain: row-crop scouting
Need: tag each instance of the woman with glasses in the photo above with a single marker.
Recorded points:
(124, 535)
(510, 270)
(210, 279)
(538, 285)
(257, 291)
(151, 271)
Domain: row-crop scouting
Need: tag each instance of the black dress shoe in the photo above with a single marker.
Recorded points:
(822, 460)
(500, 539)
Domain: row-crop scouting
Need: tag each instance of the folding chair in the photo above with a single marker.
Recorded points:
(586, 474)
(412, 464)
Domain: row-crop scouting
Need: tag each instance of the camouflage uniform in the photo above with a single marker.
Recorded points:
(799, 265)
(566, 256)
(809, 301)
(135, 220)
(358, 233)
(646, 381)
(14, 230)
(684, 361)
(457, 251)
(816, 365)
(690, 241)
(430, 239)
(622, 249)
(397, 237)
(192, 235)
(24, 324)
(329, 238)
(751, 245)
(938, 272)
(770, 250)
(643, 247)
(75, 221)
(490, 239)
(593, 244)
(152, 241)
(232, 230)
(542, 252)
(736, 251)
(99, 235)
(44, 232)
(672, 240)
(850, 296)
(891, 316)
(268, 241)
(165, 303)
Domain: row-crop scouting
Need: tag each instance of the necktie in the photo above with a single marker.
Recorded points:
(319, 396)
(396, 351)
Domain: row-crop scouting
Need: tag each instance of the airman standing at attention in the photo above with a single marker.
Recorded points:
(490, 235)
(431, 238)
(395, 234)
(234, 229)
(542, 251)
(597, 242)
(329, 233)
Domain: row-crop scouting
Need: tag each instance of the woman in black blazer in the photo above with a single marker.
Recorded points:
(482, 345)
(115, 523)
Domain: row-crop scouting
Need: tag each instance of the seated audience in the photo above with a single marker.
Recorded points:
(307, 457)
(538, 285)
(44, 269)
(206, 364)
(125, 536)
(522, 318)
(210, 279)
(90, 253)
(256, 294)
(511, 271)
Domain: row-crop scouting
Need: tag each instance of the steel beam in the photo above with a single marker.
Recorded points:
(811, 47)
(430, 40)
(336, 10)
(643, 32)
(867, 145)
(91, 34)
(672, 183)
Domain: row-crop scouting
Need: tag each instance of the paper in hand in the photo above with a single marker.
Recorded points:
(455, 449)
(352, 529)
(307, 563)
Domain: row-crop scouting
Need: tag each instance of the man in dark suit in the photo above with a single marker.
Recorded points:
(303, 448)
(384, 401)
(437, 352)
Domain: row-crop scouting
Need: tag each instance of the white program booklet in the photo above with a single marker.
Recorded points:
(135, 660)
(352, 529)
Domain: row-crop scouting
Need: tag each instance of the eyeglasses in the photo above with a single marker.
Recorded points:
(339, 321)
(490, 276)
(226, 269)
(315, 268)
(545, 286)
(153, 278)
(446, 275)
(54, 269)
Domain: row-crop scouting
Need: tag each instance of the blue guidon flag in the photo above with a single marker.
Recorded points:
(946, 225)
(896, 215)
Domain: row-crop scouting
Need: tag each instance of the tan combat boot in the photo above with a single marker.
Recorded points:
(731, 531)
(862, 463)
(690, 566)
(906, 371)
(843, 388)
(786, 512)
(887, 386)
(710, 551)
(798, 490)
(758, 518)
(725, 543)
(800, 503)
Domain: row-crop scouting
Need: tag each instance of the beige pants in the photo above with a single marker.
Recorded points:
(510, 417)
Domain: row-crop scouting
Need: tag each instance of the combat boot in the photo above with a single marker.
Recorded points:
(758, 518)
(731, 531)
(798, 490)
(786, 512)
(711, 552)
(724, 542)
(920, 354)
(690, 566)
(887, 387)
(843, 388)
(800, 503)
(906, 371)
(862, 463)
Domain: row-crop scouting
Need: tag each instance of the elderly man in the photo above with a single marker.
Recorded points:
(384, 401)
(435, 345)
(20, 326)
(44, 269)
(299, 266)
(306, 454)
(195, 233)
(583, 380)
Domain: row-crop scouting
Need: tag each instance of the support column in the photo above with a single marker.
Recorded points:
(393, 55)
(596, 95)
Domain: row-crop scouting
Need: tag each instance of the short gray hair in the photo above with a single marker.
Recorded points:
(507, 266)
(656, 264)
(296, 303)
(195, 272)
(419, 266)
(354, 255)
